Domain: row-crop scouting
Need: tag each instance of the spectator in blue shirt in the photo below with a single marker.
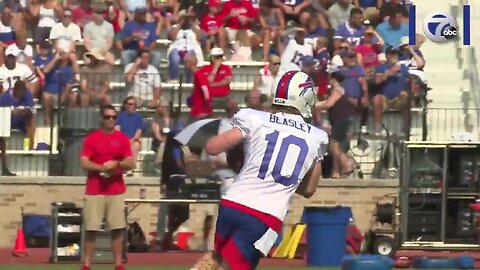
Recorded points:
(58, 74)
(410, 56)
(351, 30)
(394, 29)
(137, 35)
(392, 80)
(355, 83)
(21, 101)
(132, 124)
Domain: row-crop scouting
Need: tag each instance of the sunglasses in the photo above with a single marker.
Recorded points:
(344, 48)
(110, 117)
(131, 104)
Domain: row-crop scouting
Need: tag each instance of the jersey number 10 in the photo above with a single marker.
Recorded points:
(276, 172)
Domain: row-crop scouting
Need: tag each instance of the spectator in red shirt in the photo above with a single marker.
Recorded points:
(200, 101)
(219, 77)
(212, 26)
(368, 51)
(239, 15)
(82, 14)
(105, 155)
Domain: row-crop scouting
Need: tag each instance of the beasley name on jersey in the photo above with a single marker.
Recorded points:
(279, 150)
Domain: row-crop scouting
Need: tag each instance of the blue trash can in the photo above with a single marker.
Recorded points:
(326, 234)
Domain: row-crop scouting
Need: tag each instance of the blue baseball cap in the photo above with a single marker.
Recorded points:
(308, 60)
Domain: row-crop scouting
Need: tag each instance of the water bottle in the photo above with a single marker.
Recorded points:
(26, 144)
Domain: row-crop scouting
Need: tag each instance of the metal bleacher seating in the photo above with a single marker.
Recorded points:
(39, 163)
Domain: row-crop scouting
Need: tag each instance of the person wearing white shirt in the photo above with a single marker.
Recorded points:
(185, 36)
(66, 33)
(98, 34)
(144, 81)
(25, 51)
(12, 71)
(296, 48)
(264, 81)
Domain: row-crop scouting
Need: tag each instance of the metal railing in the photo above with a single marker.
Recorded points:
(71, 125)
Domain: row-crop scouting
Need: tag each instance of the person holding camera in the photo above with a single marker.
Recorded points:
(185, 38)
(340, 111)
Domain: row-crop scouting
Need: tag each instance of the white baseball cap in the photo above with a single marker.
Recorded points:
(12, 50)
(216, 52)
(404, 41)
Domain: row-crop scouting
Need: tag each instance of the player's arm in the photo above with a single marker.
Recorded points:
(310, 182)
(224, 141)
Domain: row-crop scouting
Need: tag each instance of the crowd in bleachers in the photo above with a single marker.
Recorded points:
(75, 47)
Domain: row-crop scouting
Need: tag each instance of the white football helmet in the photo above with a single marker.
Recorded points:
(295, 89)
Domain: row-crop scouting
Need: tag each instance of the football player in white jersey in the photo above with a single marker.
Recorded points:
(296, 48)
(282, 154)
(12, 71)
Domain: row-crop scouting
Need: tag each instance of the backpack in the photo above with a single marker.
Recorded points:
(136, 238)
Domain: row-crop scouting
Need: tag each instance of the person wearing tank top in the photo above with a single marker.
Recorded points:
(340, 112)
(47, 14)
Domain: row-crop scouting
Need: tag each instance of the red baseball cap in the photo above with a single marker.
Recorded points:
(214, 3)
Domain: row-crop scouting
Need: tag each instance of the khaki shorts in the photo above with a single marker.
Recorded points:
(110, 208)
(399, 103)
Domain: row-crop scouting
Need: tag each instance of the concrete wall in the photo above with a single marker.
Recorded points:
(36, 194)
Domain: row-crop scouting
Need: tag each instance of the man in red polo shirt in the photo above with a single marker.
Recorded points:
(105, 155)
(219, 77)
(200, 100)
